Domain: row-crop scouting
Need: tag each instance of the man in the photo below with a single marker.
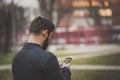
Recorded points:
(32, 62)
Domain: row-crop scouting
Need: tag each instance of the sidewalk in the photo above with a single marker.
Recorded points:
(5, 67)
(77, 67)
(94, 67)
(87, 48)
(91, 51)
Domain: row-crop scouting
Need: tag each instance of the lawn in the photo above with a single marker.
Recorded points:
(64, 54)
(101, 60)
(61, 54)
(6, 59)
(95, 75)
(5, 75)
(78, 75)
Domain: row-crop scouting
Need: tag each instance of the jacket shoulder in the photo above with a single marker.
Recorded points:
(45, 55)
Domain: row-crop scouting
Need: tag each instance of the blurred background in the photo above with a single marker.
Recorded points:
(86, 30)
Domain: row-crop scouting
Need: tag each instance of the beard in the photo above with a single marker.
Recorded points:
(46, 43)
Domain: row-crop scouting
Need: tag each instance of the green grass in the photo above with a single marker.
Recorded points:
(101, 60)
(6, 59)
(95, 75)
(78, 75)
(64, 54)
(117, 43)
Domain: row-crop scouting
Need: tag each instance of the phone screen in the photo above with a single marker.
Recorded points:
(67, 60)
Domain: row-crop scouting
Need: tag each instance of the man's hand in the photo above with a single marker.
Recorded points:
(65, 65)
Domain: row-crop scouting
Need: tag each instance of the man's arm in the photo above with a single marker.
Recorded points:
(66, 73)
(54, 72)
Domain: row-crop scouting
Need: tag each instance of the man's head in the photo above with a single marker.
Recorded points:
(42, 30)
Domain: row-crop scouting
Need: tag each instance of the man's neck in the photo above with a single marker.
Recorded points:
(35, 39)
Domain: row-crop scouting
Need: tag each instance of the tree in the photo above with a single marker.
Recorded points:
(48, 7)
(6, 25)
(63, 8)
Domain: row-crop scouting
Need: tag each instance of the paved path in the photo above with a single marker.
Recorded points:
(5, 67)
(82, 56)
(85, 48)
(77, 67)
(94, 67)
(93, 53)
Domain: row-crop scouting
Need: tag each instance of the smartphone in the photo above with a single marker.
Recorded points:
(67, 60)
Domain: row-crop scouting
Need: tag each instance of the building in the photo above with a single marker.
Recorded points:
(86, 22)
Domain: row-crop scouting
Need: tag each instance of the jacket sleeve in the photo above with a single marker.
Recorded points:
(54, 72)
(66, 73)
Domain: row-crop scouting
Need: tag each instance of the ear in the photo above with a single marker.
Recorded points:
(45, 33)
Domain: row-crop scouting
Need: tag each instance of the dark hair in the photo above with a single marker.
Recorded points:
(41, 23)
